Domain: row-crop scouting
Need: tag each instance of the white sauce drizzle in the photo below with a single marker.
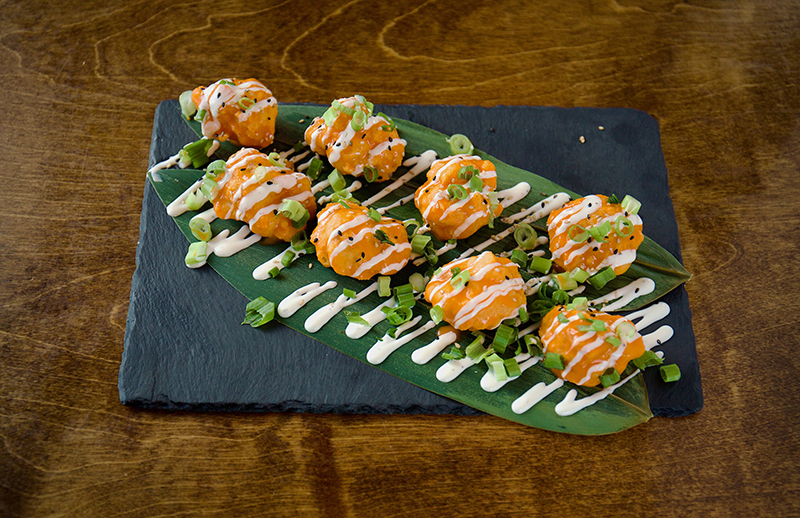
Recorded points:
(534, 395)
(489, 382)
(262, 272)
(387, 345)
(372, 317)
(353, 187)
(428, 352)
(421, 163)
(300, 297)
(508, 197)
(452, 369)
(178, 205)
(324, 314)
(224, 246)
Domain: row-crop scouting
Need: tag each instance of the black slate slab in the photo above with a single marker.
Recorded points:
(177, 358)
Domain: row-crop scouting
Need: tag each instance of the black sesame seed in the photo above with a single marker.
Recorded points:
(340, 233)
(616, 251)
(595, 249)
(363, 254)
(269, 182)
(507, 278)
(357, 260)
(350, 238)
(275, 212)
(316, 240)
(631, 237)
(589, 216)
(223, 105)
(390, 139)
(636, 290)
(590, 205)
(219, 95)
(242, 169)
(363, 136)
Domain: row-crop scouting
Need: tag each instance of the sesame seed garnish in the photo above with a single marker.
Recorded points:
(582, 139)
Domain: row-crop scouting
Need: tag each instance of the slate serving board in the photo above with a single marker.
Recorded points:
(185, 348)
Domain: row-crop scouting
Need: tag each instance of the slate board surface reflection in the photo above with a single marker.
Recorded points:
(185, 347)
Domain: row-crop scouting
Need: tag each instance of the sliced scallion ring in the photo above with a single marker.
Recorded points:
(565, 282)
(385, 286)
(603, 277)
(512, 367)
(358, 120)
(313, 168)
(437, 314)
(460, 280)
(609, 377)
(519, 257)
(525, 236)
(399, 315)
(194, 202)
(417, 282)
(467, 172)
(631, 205)
(504, 336)
(670, 373)
(626, 330)
(454, 354)
(460, 144)
(330, 116)
(200, 115)
(418, 243)
(245, 103)
(383, 237)
(613, 341)
(374, 215)
(188, 108)
(623, 227)
(276, 159)
(287, 258)
(350, 294)
(209, 188)
(258, 312)
(387, 127)
(337, 180)
(554, 361)
(299, 240)
(579, 275)
(336, 105)
(354, 317)
(475, 184)
(581, 236)
(200, 228)
(295, 211)
(599, 232)
(456, 192)
(412, 226)
(197, 254)
(540, 264)
(370, 173)
(648, 359)
(274, 272)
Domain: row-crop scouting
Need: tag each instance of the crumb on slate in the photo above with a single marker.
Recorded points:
(582, 139)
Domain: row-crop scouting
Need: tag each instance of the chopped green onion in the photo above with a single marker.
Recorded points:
(330, 116)
(370, 173)
(460, 280)
(467, 172)
(609, 377)
(274, 272)
(200, 228)
(197, 254)
(562, 318)
(475, 184)
(336, 105)
(383, 237)
(258, 312)
(648, 359)
(313, 168)
(613, 199)
(599, 232)
(404, 288)
(418, 243)
(493, 204)
(209, 188)
(260, 173)
(358, 120)
(579, 238)
(579, 275)
(197, 152)
(298, 146)
(602, 277)
(455, 353)
(631, 205)
(215, 168)
(540, 264)
(626, 330)
(519, 257)
(560, 297)
(565, 281)
(188, 107)
(512, 367)
(452, 241)
(354, 317)
(225, 82)
(503, 337)
(533, 344)
(364, 102)
(295, 211)
(299, 240)
(417, 282)
(342, 195)
(670, 373)
(623, 227)
(523, 315)
(456, 192)
(194, 202)
(477, 352)
(392, 332)
(200, 115)
(579, 303)
(525, 236)
(455, 271)
(413, 224)
(614, 341)
(337, 180)
(430, 254)
(597, 326)
(343, 204)
(350, 294)
(554, 361)
(276, 159)
(391, 126)
(437, 314)
(287, 258)
(399, 315)
(245, 103)
(374, 215)
(460, 144)
(384, 286)
(498, 367)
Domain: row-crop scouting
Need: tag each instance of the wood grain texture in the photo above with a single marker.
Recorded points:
(81, 82)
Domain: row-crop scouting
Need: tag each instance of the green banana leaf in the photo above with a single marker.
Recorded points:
(626, 407)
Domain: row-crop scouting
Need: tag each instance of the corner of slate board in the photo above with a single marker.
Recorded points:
(171, 362)
(166, 365)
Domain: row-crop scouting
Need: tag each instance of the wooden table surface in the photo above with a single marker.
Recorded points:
(81, 82)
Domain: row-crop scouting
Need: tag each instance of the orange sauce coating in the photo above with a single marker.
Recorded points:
(494, 292)
(456, 219)
(345, 240)
(245, 196)
(586, 353)
(349, 150)
(243, 113)
(592, 256)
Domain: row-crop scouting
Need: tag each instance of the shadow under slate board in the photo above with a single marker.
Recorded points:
(184, 345)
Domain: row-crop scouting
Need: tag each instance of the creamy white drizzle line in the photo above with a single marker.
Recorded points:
(224, 246)
(446, 248)
(373, 317)
(622, 296)
(324, 184)
(301, 296)
(535, 394)
(208, 215)
(428, 352)
(387, 345)
(324, 314)
(508, 197)
(262, 272)
(530, 215)
(398, 203)
(569, 405)
(178, 205)
(421, 163)
(452, 369)
(353, 187)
